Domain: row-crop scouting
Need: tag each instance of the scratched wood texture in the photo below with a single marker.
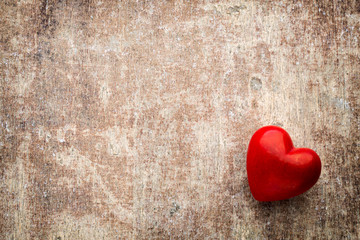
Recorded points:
(131, 119)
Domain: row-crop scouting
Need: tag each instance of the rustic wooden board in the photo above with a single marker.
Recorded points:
(131, 119)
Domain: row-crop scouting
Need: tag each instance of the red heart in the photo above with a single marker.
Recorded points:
(276, 170)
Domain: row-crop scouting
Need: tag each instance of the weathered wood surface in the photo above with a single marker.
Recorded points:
(131, 119)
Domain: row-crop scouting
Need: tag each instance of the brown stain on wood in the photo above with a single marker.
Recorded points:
(130, 120)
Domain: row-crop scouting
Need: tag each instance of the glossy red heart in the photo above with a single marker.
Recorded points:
(276, 170)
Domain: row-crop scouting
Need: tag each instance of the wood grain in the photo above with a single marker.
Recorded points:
(131, 119)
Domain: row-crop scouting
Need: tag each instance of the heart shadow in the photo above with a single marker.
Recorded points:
(279, 210)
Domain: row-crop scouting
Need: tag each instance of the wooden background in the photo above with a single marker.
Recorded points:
(131, 119)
